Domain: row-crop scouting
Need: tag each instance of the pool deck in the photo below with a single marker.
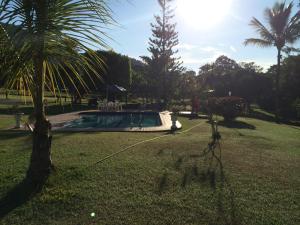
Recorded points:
(58, 122)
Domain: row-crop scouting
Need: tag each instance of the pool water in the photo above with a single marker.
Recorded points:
(115, 120)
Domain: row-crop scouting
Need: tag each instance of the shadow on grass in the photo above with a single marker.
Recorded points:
(59, 109)
(236, 124)
(12, 134)
(18, 196)
(162, 183)
(50, 110)
(206, 168)
(214, 176)
(270, 118)
(26, 109)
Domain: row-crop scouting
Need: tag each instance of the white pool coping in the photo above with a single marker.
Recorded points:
(58, 122)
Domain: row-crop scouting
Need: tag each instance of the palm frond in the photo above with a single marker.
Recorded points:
(283, 29)
(289, 50)
(258, 42)
(67, 29)
(262, 30)
(292, 32)
(278, 17)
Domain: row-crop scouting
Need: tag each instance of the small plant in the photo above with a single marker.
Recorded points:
(229, 107)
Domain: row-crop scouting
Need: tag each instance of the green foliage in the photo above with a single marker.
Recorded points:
(188, 85)
(229, 107)
(163, 66)
(41, 60)
(241, 79)
(117, 68)
(140, 85)
(289, 83)
(296, 106)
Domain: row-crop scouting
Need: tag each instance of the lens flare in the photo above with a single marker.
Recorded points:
(203, 14)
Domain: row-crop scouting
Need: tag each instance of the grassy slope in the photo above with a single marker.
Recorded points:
(161, 182)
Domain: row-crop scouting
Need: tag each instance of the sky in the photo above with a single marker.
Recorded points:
(199, 42)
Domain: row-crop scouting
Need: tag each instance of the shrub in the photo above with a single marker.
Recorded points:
(296, 107)
(229, 107)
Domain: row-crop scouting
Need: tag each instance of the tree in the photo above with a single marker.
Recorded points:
(51, 36)
(245, 80)
(188, 85)
(117, 68)
(139, 87)
(218, 75)
(283, 30)
(289, 83)
(162, 63)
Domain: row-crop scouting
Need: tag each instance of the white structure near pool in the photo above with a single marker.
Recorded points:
(138, 121)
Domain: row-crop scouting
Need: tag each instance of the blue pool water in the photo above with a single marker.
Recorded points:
(115, 120)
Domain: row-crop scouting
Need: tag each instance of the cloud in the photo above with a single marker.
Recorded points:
(186, 46)
(194, 56)
(208, 49)
(233, 48)
(199, 49)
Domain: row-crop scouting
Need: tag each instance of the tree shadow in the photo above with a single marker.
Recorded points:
(162, 183)
(53, 109)
(270, 118)
(12, 134)
(10, 111)
(213, 175)
(67, 108)
(18, 196)
(261, 116)
(226, 202)
(236, 124)
(206, 168)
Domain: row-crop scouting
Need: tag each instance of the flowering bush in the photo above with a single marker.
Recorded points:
(229, 107)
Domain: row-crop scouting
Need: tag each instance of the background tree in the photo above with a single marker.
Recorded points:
(218, 75)
(51, 35)
(116, 70)
(283, 30)
(188, 85)
(139, 87)
(244, 80)
(290, 83)
(163, 65)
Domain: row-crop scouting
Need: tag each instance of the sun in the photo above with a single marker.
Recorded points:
(203, 14)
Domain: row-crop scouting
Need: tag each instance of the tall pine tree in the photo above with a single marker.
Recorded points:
(163, 64)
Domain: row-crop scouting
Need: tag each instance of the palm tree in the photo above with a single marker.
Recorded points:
(48, 40)
(283, 30)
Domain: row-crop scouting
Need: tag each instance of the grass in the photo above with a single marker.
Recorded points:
(161, 182)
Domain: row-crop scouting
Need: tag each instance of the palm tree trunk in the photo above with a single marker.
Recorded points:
(40, 162)
(277, 88)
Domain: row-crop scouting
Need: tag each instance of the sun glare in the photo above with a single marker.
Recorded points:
(203, 14)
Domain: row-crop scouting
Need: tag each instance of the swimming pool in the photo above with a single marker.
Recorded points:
(115, 120)
(135, 121)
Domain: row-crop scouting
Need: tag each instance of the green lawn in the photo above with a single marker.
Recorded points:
(160, 182)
